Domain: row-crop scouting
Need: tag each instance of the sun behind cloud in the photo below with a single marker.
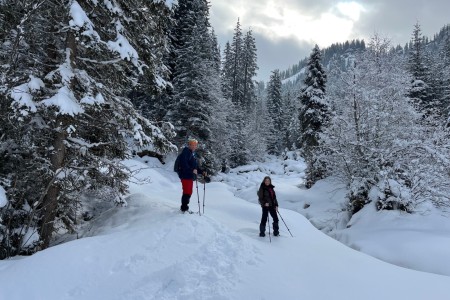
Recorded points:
(283, 19)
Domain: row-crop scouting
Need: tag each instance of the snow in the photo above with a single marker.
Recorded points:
(294, 77)
(417, 241)
(148, 250)
(22, 95)
(65, 102)
(89, 100)
(79, 17)
(113, 8)
(122, 46)
(80, 20)
(170, 3)
(35, 83)
(3, 199)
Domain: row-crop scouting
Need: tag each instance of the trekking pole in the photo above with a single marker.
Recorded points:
(204, 193)
(198, 196)
(268, 223)
(284, 223)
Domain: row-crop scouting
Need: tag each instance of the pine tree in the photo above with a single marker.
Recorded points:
(275, 114)
(148, 95)
(236, 71)
(68, 67)
(314, 114)
(238, 85)
(191, 105)
(419, 87)
(217, 150)
(249, 68)
(227, 73)
(290, 120)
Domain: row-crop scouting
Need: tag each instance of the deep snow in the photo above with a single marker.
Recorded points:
(148, 250)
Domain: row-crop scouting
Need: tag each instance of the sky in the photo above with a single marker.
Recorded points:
(286, 30)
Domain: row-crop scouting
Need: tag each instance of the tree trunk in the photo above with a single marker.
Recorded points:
(50, 203)
(57, 159)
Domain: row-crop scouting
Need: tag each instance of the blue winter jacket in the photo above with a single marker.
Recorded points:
(188, 163)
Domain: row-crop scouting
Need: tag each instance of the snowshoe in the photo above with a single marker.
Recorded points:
(262, 234)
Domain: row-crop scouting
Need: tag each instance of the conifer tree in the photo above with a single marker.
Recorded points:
(227, 72)
(238, 85)
(275, 114)
(69, 66)
(191, 103)
(236, 71)
(419, 90)
(249, 68)
(314, 114)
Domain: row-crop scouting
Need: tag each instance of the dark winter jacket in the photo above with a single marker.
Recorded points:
(266, 194)
(188, 163)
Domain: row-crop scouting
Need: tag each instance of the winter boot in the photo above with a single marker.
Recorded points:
(185, 202)
(262, 230)
(276, 229)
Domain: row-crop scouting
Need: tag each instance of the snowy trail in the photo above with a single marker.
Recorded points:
(150, 251)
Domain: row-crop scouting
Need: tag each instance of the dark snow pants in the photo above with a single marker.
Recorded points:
(265, 213)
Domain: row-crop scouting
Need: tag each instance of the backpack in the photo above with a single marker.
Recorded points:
(177, 165)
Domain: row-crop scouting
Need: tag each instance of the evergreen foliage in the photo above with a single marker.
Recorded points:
(314, 114)
(275, 113)
(68, 66)
(238, 85)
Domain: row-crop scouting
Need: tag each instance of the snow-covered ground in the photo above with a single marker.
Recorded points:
(148, 250)
(418, 241)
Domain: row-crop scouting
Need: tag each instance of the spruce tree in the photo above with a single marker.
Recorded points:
(419, 90)
(227, 72)
(314, 114)
(249, 68)
(275, 114)
(237, 62)
(69, 66)
(191, 103)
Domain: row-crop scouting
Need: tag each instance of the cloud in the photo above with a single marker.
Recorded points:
(395, 19)
(322, 23)
(280, 54)
(284, 28)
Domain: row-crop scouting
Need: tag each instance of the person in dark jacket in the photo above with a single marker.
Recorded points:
(269, 204)
(188, 173)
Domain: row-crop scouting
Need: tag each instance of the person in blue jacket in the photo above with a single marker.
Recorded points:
(188, 172)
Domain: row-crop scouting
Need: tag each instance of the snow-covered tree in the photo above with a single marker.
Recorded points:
(275, 113)
(381, 157)
(314, 114)
(249, 68)
(236, 71)
(238, 85)
(68, 67)
(227, 71)
(191, 104)
(419, 90)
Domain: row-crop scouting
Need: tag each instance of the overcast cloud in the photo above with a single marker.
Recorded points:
(286, 30)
